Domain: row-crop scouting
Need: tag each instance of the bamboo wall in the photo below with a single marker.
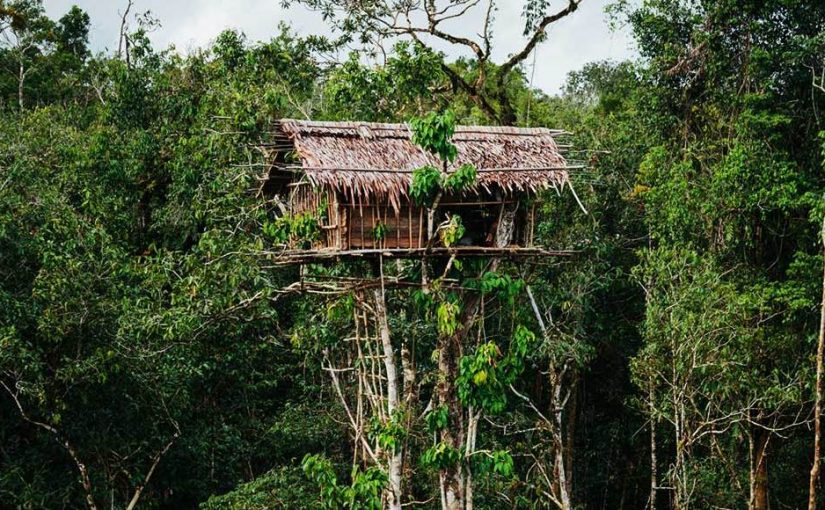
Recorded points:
(352, 226)
(405, 229)
(324, 205)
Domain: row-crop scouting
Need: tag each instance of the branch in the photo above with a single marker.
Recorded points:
(155, 462)
(122, 35)
(432, 29)
(85, 481)
(471, 91)
(818, 82)
(482, 69)
(536, 38)
(337, 386)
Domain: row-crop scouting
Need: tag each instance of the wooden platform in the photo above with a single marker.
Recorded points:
(299, 256)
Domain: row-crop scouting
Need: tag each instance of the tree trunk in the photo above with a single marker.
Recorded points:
(452, 481)
(563, 486)
(760, 471)
(654, 473)
(394, 458)
(139, 489)
(409, 400)
(570, 438)
(21, 79)
(472, 433)
(820, 352)
(562, 489)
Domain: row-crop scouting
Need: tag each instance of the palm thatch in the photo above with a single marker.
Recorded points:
(363, 160)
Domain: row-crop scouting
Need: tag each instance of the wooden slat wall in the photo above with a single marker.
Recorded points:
(402, 229)
(303, 199)
(350, 226)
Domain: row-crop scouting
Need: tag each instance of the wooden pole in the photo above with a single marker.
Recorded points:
(820, 352)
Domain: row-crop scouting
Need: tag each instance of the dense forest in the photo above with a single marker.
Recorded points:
(153, 356)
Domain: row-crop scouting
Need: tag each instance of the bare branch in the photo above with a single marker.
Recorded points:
(155, 462)
(85, 481)
(122, 35)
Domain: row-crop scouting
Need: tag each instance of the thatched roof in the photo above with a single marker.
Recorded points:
(361, 159)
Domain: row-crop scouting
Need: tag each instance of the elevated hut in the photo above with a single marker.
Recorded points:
(354, 177)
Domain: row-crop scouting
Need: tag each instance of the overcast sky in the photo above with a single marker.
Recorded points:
(187, 24)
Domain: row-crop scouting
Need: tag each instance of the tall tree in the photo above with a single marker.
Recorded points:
(429, 21)
(733, 181)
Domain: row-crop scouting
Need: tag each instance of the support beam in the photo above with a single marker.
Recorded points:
(294, 256)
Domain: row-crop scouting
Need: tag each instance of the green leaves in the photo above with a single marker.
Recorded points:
(485, 375)
(364, 493)
(502, 285)
(437, 419)
(426, 182)
(452, 232)
(498, 462)
(295, 231)
(379, 231)
(447, 318)
(389, 434)
(440, 456)
(461, 179)
(355, 90)
(433, 134)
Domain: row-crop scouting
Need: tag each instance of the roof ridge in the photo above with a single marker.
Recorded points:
(398, 127)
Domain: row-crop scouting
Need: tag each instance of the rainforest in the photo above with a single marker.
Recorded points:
(173, 337)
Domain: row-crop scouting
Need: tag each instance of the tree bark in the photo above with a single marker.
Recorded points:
(563, 485)
(452, 481)
(760, 471)
(472, 434)
(570, 437)
(21, 79)
(394, 458)
(820, 352)
(654, 473)
(139, 489)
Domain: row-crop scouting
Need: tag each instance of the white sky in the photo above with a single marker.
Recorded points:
(574, 41)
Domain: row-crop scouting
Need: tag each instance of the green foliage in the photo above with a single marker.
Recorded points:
(501, 285)
(426, 182)
(363, 494)
(433, 133)
(485, 375)
(437, 419)
(286, 487)
(401, 88)
(135, 297)
(447, 317)
(464, 177)
(423, 302)
(452, 232)
(131, 301)
(390, 434)
(298, 230)
(379, 231)
(498, 462)
(440, 456)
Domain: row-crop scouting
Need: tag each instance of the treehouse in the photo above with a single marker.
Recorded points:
(351, 181)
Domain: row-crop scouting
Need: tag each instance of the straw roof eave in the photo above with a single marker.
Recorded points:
(361, 160)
